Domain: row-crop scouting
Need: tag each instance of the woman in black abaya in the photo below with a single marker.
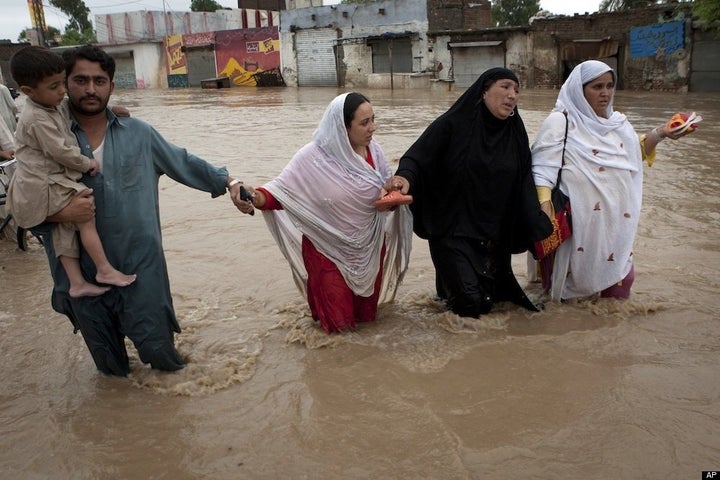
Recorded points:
(474, 197)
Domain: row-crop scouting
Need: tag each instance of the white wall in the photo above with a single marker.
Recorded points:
(130, 27)
(148, 63)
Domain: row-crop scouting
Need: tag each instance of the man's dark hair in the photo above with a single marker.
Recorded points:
(352, 101)
(92, 54)
(30, 65)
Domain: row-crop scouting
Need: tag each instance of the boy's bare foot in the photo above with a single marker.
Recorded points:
(113, 277)
(86, 289)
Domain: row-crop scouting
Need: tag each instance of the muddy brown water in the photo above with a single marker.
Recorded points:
(592, 390)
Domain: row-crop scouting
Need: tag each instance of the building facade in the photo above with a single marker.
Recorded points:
(155, 49)
(402, 44)
(355, 45)
(424, 43)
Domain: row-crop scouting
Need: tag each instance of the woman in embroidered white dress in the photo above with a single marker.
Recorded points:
(346, 256)
(602, 173)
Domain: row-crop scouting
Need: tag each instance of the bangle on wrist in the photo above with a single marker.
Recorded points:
(232, 183)
(656, 135)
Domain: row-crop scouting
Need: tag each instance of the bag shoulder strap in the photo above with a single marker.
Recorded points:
(562, 158)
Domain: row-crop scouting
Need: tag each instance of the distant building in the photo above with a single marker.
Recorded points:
(155, 49)
(416, 43)
(402, 44)
(380, 44)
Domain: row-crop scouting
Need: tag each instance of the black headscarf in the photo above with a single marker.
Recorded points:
(469, 173)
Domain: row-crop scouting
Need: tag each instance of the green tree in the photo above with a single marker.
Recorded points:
(616, 5)
(77, 12)
(51, 33)
(507, 13)
(75, 37)
(708, 12)
(205, 6)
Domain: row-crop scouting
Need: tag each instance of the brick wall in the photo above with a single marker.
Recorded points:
(458, 14)
(552, 37)
(273, 5)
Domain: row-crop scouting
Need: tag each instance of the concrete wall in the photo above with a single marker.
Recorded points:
(518, 56)
(400, 80)
(129, 27)
(147, 60)
(441, 56)
(515, 42)
(352, 19)
(288, 58)
(353, 23)
(356, 65)
(148, 66)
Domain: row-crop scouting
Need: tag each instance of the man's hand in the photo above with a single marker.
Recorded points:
(246, 205)
(81, 209)
(7, 154)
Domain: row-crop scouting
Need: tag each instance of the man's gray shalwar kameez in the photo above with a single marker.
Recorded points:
(128, 221)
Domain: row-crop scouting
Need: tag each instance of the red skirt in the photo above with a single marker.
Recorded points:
(331, 301)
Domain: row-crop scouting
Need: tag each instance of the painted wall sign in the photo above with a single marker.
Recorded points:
(662, 37)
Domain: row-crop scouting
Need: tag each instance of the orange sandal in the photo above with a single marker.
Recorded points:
(393, 199)
(681, 122)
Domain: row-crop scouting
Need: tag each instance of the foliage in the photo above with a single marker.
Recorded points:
(70, 37)
(205, 6)
(75, 37)
(616, 5)
(51, 33)
(708, 12)
(77, 12)
(78, 21)
(507, 13)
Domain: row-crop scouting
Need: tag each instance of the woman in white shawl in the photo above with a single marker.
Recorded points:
(346, 256)
(602, 173)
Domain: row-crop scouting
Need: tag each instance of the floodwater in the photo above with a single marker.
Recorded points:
(592, 390)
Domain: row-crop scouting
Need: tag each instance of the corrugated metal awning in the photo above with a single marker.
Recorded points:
(364, 39)
(493, 43)
(119, 53)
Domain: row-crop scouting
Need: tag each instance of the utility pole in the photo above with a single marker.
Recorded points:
(37, 16)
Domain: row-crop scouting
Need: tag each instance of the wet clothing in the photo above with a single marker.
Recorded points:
(331, 301)
(7, 139)
(474, 200)
(48, 172)
(127, 217)
(602, 174)
(329, 229)
(49, 165)
(8, 109)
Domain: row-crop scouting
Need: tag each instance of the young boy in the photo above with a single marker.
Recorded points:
(49, 169)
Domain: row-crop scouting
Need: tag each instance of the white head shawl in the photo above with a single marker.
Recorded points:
(585, 124)
(327, 193)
